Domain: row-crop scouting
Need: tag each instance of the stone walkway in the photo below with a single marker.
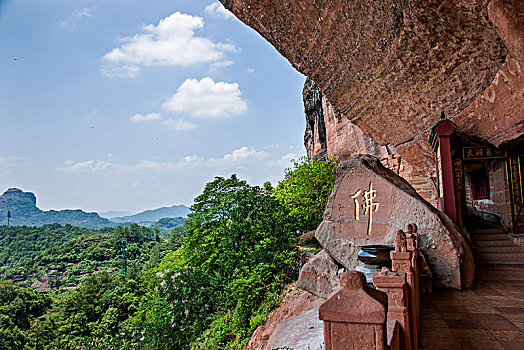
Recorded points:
(489, 316)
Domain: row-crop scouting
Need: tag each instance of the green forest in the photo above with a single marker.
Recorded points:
(208, 284)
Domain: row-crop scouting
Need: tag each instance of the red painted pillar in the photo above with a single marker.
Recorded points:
(439, 139)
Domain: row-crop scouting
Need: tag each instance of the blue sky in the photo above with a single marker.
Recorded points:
(132, 105)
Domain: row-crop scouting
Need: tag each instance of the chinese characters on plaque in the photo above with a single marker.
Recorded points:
(368, 205)
(457, 174)
(482, 152)
(516, 179)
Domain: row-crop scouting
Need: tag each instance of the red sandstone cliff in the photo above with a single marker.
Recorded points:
(391, 67)
(386, 69)
(329, 134)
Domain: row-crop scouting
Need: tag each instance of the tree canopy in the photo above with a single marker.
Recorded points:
(305, 190)
(208, 286)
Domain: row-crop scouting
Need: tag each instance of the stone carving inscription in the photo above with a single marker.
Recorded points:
(368, 205)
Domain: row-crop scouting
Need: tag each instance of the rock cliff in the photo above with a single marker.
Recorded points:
(24, 211)
(385, 70)
(391, 67)
(329, 134)
(19, 203)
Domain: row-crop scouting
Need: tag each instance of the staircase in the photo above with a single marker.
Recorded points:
(492, 247)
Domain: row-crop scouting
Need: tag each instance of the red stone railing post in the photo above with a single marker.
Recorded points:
(395, 286)
(355, 315)
(411, 245)
(401, 261)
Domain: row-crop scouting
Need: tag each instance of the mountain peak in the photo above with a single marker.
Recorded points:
(18, 202)
(155, 214)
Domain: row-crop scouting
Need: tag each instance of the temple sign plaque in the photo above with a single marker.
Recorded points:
(516, 179)
(482, 152)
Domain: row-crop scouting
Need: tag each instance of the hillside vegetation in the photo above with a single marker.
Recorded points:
(39, 257)
(75, 217)
(208, 285)
(20, 244)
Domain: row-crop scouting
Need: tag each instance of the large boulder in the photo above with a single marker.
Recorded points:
(300, 332)
(370, 202)
(297, 302)
(320, 275)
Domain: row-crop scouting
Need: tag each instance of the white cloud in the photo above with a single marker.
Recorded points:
(230, 161)
(251, 70)
(207, 99)
(10, 160)
(88, 165)
(170, 43)
(179, 124)
(283, 161)
(243, 153)
(85, 12)
(216, 9)
(77, 16)
(186, 175)
(123, 71)
(221, 64)
(145, 118)
(236, 158)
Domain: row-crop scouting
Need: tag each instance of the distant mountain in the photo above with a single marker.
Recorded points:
(19, 203)
(23, 209)
(165, 225)
(75, 217)
(155, 214)
(113, 214)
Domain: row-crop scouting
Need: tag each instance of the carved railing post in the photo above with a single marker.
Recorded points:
(401, 261)
(412, 246)
(355, 315)
(395, 286)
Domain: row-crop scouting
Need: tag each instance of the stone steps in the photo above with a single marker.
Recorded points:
(489, 237)
(492, 246)
(484, 231)
(506, 243)
(499, 249)
(500, 259)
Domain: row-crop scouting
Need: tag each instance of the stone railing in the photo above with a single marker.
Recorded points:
(359, 317)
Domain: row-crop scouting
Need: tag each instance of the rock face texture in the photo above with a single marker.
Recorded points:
(369, 203)
(320, 275)
(329, 134)
(19, 203)
(304, 331)
(497, 115)
(299, 302)
(391, 67)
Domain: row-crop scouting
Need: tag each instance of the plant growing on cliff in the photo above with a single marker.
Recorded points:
(305, 190)
(235, 258)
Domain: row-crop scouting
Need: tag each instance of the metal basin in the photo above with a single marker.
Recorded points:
(375, 254)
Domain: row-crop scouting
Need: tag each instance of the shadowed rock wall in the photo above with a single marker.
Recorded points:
(329, 134)
(391, 67)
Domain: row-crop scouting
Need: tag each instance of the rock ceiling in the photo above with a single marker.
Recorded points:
(391, 67)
